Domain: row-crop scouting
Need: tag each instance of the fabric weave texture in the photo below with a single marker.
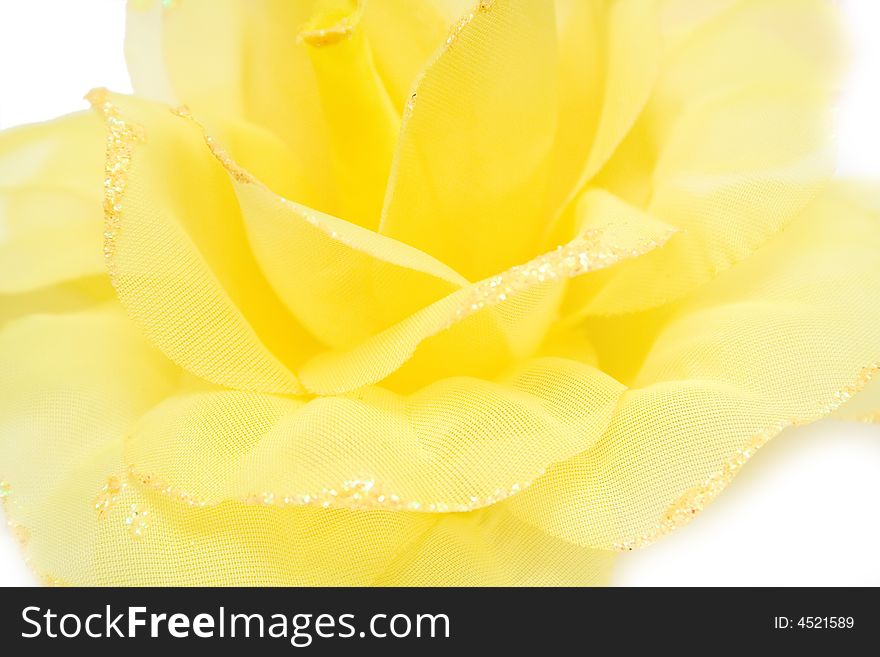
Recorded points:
(424, 292)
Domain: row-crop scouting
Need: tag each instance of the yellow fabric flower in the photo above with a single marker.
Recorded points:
(422, 292)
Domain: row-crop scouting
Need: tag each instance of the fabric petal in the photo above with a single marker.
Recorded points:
(511, 328)
(732, 144)
(70, 388)
(233, 60)
(494, 548)
(457, 169)
(343, 282)
(480, 329)
(349, 86)
(631, 62)
(404, 35)
(784, 338)
(241, 57)
(176, 250)
(598, 207)
(70, 385)
(50, 203)
(865, 406)
(455, 445)
(70, 296)
(609, 55)
(82, 522)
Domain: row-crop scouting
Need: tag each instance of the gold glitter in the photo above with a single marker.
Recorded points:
(237, 171)
(182, 111)
(231, 165)
(410, 105)
(19, 532)
(328, 36)
(581, 255)
(108, 495)
(5, 489)
(482, 7)
(359, 494)
(136, 520)
(307, 215)
(343, 29)
(458, 28)
(694, 500)
(121, 138)
(154, 483)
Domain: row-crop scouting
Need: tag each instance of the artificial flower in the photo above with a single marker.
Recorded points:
(412, 293)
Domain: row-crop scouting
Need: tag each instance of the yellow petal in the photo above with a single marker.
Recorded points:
(630, 63)
(50, 202)
(343, 282)
(458, 171)
(79, 294)
(236, 61)
(494, 548)
(176, 249)
(597, 207)
(609, 55)
(70, 385)
(731, 146)
(349, 86)
(581, 65)
(681, 18)
(404, 35)
(477, 330)
(70, 388)
(142, 538)
(226, 56)
(455, 445)
(865, 406)
(82, 523)
(242, 545)
(570, 342)
(783, 338)
(511, 328)
(243, 61)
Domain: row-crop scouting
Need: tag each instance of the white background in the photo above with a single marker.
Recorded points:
(805, 511)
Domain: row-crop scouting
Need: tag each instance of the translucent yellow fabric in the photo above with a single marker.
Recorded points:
(423, 293)
(40, 195)
(733, 142)
(718, 373)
